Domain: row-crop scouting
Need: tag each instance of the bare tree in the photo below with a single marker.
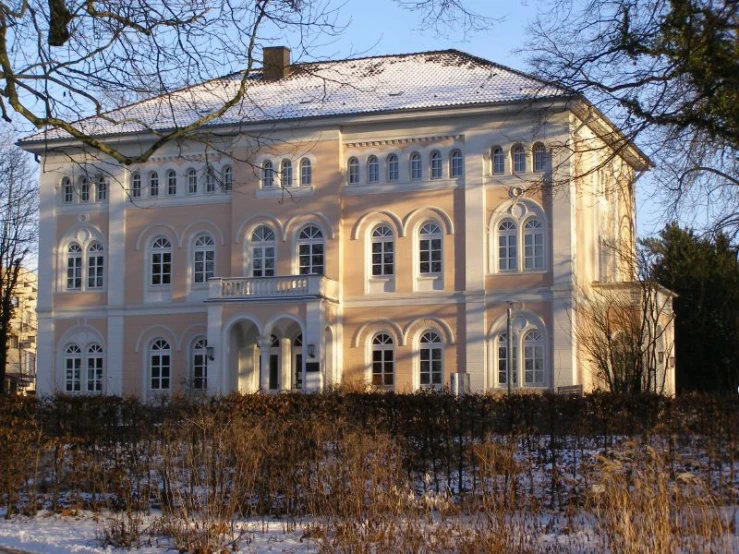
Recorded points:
(18, 235)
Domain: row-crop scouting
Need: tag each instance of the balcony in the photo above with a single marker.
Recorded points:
(240, 289)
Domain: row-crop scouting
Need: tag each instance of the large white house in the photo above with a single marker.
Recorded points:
(358, 220)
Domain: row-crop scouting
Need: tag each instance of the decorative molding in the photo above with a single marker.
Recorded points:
(407, 140)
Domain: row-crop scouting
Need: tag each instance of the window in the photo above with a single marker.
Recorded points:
(203, 260)
(533, 355)
(227, 178)
(73, 369)
(84, 190)
(159, 365)
(383, 251)
(503, 360)
(519, 159)
(498, 161)
(192, 181)
(393, 168)
(435, 165)
(310, 251)
(153, 184)
(268, 174)
(101, 189)
(199, 363)
(161, 262)
(353, 171)
(456, 164)
(94, 377)
(74, 267)
(263, 252)
(306, 173)
(383, 361)
(210, 181)
(136, 185)
(540, 157)
(95, 266)
(67, 191)
(507, 246)
(415, 166)
(429, 249)
(373, 170)
(533, 242)
(171, 182)
(431, 361)
(286, 175)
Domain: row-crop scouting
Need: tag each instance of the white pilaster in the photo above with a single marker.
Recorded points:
(315, 322)
(218, 382)
(264, 345)
(286, 359)
(45, 357)
(46, 340)
(114, 385)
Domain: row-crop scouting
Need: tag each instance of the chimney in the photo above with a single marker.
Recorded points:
(276, 63)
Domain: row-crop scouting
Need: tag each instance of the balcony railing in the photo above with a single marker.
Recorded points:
(268, 288)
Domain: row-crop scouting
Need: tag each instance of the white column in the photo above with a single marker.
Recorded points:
(46, 362)
(46, 376)
(286, 359)
(264, 365)
(218, 381)
(114, 368)
(315, 322)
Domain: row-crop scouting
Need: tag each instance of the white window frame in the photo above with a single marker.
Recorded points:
(353, 171)
(153, 184)
(539, 156)
(382, 235)
(503, 252)
(171, 182)
(518, 158)
(84, 190)
(74, 256)
(198, 372)
(228, 178)
(393, 168)
(456, 164)
(286, 173)
(498, 157)
(532, 239)
(436, 166)
(67, 191)
(159, 248)
(192, 180)
(531, 358)
(309, 238)
(203, 260)
(159, 365)
(73, 369)
(373, 169)
(430, 350)
(263, 246)
(415, 163)
(211, 181)
(84, 369)
(534, 243)
(95, 265)
(94, 368)
(428, 233)
(136, 185)
(382, 361)
(306, 173)
(268, 174)
(101, 189)
(534, 359)
(501, 365)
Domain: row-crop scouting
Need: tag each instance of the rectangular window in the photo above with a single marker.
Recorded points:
(102, 190)
(74, 272)
(204, 266)
(534, 361)
(161, 268)
(382, 368)
(383, 258)
(263, 261)
(95, 374)
(534, 250)
(73, 369)
(160, 365)
(430, 256)
(154, 185)
(507, 253)
(95, 272)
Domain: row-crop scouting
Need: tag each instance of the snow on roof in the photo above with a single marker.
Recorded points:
(347, 87)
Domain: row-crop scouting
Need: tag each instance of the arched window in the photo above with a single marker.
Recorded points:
(503, 360)
(429, 249)
(498, 161)
(263, 252)
(101, 189)
(431, 361)
(306, 173)
(373, 170)
(171, 182)
(518, 153)
(540, 157)
(533, 355)
(95, 361)
(268, 174)
(73, 369)
(353, 171)
(416, 166)
(67, 191)
(383, 251)
(228, 178)
(160, 364)
(192, 181)
(507, 246)
(136, 185)
(84, 190)
(95, 266)
(533, 241)
(286, 174)
(383, 361)
(435, 164)
(456, 164)
(310, 251)
(199, 363)
(153, 184)
(74, 266)
(161, 262)
(393, 168)
(203, 260)
(210, 180)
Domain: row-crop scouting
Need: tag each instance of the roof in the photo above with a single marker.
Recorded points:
(426, 80)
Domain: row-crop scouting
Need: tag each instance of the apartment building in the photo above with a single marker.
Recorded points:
(365, 220)
(20, 370)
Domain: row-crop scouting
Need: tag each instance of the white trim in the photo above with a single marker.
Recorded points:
(375, 326)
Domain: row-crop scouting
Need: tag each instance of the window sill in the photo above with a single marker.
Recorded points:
(397, 186)
(279, 192)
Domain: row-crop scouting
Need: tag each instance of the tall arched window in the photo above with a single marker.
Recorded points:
(74, 266)
(373, 169)
(192, 181)
(383, 251)
(383, 361)
(435, 164)
(268, 174)
(286, 174)
(95, 361)
(353, 171)
(507, 246)
(199, 363)
(136, 185)
(67, 191)
(84, 190)
(393, 168)
(101, 189)
(431, 356)
(153, 184)
(456, 164)
(533, 237)
(228, 178)
(161, 262)
(171, 182)
(95, 265)
(310, 251)
(540, 157)
(306, 173)
(498, 161)
(210, 180)
(160, 364)
(73, 369)
(518, 153)
(416, 166)
(263, 252)
(503, 360)
(429, 249)
(533, 354)
(203, 260)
